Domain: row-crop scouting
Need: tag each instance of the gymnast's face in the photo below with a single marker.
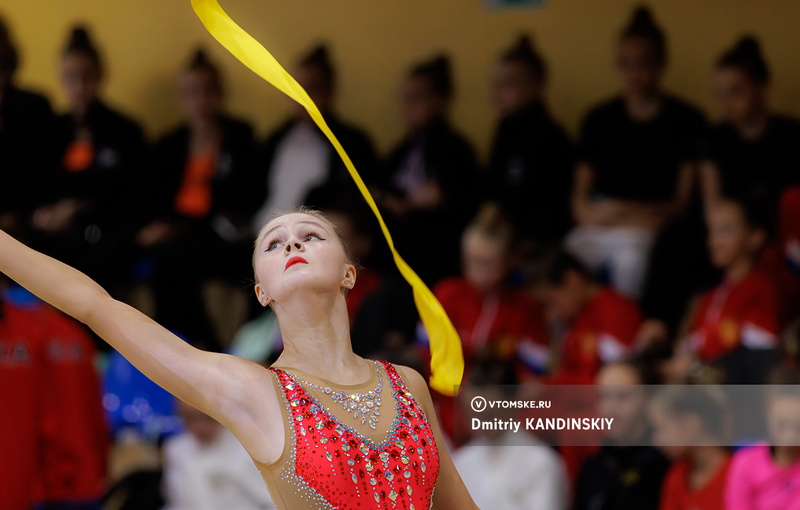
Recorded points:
(80, 77)
(300, 251)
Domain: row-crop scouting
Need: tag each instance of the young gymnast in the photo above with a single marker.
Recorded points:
(326, 428)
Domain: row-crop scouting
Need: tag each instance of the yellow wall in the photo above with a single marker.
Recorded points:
(374, 41)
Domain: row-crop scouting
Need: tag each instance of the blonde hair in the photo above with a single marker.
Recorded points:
(492, 224)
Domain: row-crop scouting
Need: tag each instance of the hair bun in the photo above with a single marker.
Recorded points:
(748, 46)
(643, 25)
(524, 52)
(9, 57)
(746, 55)
(438, 71)
(320, 57)
(642, 17)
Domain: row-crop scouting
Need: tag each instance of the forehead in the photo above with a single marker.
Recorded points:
(292, 219)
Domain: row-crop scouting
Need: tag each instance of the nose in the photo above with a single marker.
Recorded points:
(294, 245)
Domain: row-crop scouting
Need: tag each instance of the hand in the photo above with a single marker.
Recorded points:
(426, 196)
(154, 233)
(55, 218)
(652, 332)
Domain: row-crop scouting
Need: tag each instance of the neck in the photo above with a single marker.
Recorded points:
(316, 337)
(705, 461)
(753, 127)
(739, 270)
(643, 107)
(786, 455)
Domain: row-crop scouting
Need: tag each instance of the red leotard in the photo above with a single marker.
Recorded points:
(331, 465)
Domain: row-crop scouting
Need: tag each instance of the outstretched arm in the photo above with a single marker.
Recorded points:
(450, 493)
(213, 383)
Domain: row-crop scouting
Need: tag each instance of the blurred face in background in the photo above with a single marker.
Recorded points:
(639, 67)
(201, 426)
(200, 95)
(783, 420)
(485, 262)
(513, 87)
(420, 103)
(729, 236)
(672, 433)
(565, 300)
(80, 77)
(740, 98)
(314, 81)
(624, 399)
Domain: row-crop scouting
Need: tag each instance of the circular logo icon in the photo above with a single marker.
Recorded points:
(478, 404)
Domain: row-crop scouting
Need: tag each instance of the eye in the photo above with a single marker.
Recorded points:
(311, 236)
(272, 245)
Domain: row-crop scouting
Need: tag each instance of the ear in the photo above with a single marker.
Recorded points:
(757, 238)
(349, 280)
(261, 295)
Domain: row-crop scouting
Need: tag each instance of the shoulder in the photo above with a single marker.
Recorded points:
(753, 456)
(682, 108)
(236, 126)
(454, 285)
(30, 99)
(610, 108)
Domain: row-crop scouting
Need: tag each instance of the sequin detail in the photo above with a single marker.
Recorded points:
(341, 467)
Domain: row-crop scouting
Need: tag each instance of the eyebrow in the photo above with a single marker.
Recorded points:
(308, 222)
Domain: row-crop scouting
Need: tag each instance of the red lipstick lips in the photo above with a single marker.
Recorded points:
(295, 260)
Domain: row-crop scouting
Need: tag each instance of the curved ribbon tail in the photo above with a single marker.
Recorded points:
(447, 361)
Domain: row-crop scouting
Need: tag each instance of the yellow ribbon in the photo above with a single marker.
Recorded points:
(447, 361)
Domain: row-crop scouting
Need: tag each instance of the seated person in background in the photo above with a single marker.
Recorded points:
(638, 152)
(531, 161)
(426, 187)
(599, 325)
(206, 468)
(766, 476)
(53, 419)
(198, 189)
(736, 324)
(85, 222)
(492, 316)
(505, 470)
(689, 424)
(753, 153)
(26, 140)
(627, 472)
(297, 164)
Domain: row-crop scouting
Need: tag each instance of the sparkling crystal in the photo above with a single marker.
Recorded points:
(393, 495)
(389, 475)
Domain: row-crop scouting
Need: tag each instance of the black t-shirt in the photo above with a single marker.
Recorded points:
(640, 160)
(621, 478)
(530, 172)
(757, 170)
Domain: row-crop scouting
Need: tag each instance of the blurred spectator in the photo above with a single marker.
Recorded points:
(198, 193)
(427, 186)
(599, 325)
(493, 317)
(22, 391)
(206, 468)
(627, 473)
(297, 162)
(753, 154)
(89, 199)
(690, 425)
(736, 324)
(60, 444)
(637, 162)
(26, 134)
(531, 162)
(767, 475)
(504, 470)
